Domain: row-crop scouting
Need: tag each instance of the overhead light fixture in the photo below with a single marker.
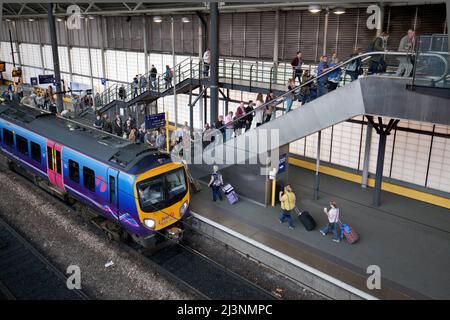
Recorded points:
(8, 20)
(314, 8)
(339, 10)
(157, 19)
(91, 17)
(185, 20)
(59, 19)
(30, 19)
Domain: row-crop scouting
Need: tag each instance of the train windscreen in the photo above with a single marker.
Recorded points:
(162, 191)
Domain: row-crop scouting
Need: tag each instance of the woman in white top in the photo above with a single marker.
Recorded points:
(259, 112)
(333, 218)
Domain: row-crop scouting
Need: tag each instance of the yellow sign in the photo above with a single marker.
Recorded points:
(2, 66)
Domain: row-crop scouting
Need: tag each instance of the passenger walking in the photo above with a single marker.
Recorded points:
(135, 86)
(333, 219)
(305, 90)
(270, 108)
(220, 125)
(106, 124)
(143, 83)
(354, 69)
(140, 135)
(132, 136)
(98, 122)
(239, 119)
(229, 126)
(259, 110)
(322, 81)
(152, 78)
(249, 116)
(160, 140)
(206, 62)
(335, 75)
(290, 96)
(215, 183)
(129, 125)
(376, 62)
(168, 77)
(118, 130)
(297, 64)
(406, 63)
(122, 93)
(287, 200)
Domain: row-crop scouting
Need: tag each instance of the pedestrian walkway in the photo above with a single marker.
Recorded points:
(407, 239)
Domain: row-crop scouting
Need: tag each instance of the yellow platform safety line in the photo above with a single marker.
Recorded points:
(274, 182)
(385, 186)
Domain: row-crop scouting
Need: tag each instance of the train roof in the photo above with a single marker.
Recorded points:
(112, 150)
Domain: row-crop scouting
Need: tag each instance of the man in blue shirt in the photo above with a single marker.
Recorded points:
(322, 82)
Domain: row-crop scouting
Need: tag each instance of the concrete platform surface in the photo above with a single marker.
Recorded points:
(409, 240)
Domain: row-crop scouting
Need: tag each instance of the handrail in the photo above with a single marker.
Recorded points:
(283, 96)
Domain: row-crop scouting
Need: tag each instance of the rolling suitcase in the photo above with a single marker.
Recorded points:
(351, 235)
(305, 218)
(230, 194)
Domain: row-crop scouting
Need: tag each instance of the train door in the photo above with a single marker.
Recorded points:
(54, 164)
(113, 190)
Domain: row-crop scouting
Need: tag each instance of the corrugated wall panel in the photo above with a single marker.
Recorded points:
(347, 33)
(95, 33)
(155, 43)
(238, 37)
(225, 47)
(401, 19)
(252, 35)
(431, 19)
(267, 34)
(365, 36)
(292, 34)
(127, 33)
(333, 33)
(195, 39)
(308, 35)
(282, 35)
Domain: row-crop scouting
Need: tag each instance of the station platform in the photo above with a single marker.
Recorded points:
(407, 239)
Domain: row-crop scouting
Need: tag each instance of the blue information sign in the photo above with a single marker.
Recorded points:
(104, 81)
(46, 78)
(34, 81)
(282, 164)
(153, 121)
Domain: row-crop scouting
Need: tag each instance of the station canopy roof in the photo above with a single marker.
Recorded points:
(29, 9)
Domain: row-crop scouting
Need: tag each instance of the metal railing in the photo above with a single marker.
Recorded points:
(285, 96)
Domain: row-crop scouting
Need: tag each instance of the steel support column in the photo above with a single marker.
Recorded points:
(54, 42)
(325, 33)
(275, 46)
(447, 4)
(88, 37)
(383, 132)
(174, 63)
(317, 186)
(214, 73)
(145, 35)
(365, 173)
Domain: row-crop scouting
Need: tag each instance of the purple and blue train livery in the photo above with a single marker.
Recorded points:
(139, 189)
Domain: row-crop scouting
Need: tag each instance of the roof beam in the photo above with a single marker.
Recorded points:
(31, 9)
(127, 6)
(10, 8)
(6, 9)
(21, 9)
(89, 7)
(137, 6)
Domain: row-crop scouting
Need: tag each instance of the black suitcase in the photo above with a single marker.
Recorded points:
(306, 219)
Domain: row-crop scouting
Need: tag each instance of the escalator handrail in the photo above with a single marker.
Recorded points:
(282, 98)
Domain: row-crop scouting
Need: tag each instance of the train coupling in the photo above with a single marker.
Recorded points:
(175, 234)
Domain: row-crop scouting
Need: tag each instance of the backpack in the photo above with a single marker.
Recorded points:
(216, 179)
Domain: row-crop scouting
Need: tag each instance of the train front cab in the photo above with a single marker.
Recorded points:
(162, 201)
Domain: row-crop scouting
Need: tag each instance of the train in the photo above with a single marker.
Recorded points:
(134, 190)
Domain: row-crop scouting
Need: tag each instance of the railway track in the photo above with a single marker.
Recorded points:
(27, 274)
(188, 267)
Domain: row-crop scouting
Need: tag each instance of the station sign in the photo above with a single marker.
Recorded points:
(34, 81)
(46, 78)
(282, 164)
(103, 81)
(154, 121)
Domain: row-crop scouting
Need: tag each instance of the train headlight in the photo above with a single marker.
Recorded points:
(149, 223)
(183, 208)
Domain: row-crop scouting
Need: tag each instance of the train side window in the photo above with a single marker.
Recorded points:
(35, 151)
(112, 189)
(89, 179)
(8, 138)
(58, 162)
(74, 171)
(22, 145)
